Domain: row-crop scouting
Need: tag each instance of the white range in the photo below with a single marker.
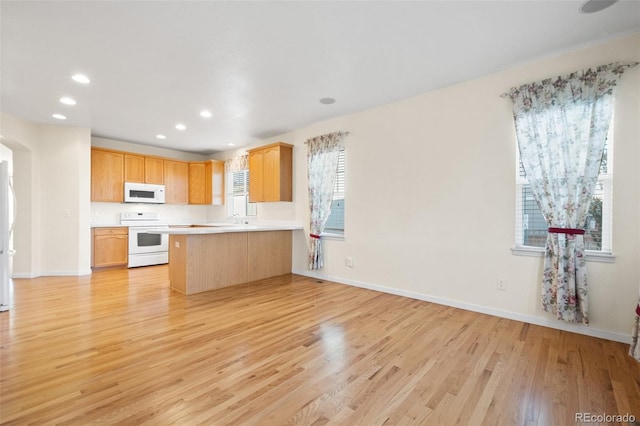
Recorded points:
(145, 248)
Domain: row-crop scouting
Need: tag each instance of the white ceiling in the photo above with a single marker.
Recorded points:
(261, 67)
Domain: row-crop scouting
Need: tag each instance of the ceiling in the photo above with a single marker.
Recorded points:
(262, 67)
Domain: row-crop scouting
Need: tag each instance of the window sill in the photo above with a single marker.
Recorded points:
(592, 256)
(332, 236)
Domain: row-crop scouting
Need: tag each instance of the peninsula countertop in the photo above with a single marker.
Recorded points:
(221, 228)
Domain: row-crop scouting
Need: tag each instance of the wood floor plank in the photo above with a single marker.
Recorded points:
(119, 347)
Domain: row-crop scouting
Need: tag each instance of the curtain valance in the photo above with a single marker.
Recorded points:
(237, 164)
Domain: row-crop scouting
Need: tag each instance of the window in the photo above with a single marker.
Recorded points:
(531, 227)
(238, 194)
(335, 223)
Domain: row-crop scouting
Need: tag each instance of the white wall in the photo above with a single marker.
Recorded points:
(415, 167)
(117, 145)
(65, 195)
(22, 137)
(51, 180)
(105, 214)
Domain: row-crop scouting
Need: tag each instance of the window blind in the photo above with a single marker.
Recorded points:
(338, 189)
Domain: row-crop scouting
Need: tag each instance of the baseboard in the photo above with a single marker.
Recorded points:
(67, 273)
(26, 275)
(530, 319)
(52, 274)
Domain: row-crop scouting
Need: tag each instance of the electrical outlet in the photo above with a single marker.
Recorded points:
(177, 244)
(500, 284)
(349, 262)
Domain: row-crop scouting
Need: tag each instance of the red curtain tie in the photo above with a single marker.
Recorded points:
(570, 231)
(638, 310)
(316, 236)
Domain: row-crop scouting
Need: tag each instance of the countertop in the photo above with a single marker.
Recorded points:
(221, 228)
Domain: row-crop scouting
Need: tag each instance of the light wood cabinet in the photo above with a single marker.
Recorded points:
(256, 181)
(271, 173)
(107, 176)
(214, 185)
(110, 247)
(206, 182)
(197, 183)
(139, 168)
(176, 182)
(154, 170)
(133, 168)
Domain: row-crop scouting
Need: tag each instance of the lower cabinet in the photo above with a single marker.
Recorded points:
(110, 247)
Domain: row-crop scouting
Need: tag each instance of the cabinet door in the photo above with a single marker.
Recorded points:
(107, 176)
(214, 184)
(256, 170)
(154, 170)
(176, 182)
(277, 173)
(197, 183)
(133, 168)
(286, 173)
(271, 174)
(110, 247)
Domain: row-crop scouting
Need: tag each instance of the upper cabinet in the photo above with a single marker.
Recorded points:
(176, 182)
(214, 185)
(206, 182)
(139, 168)
(270, 173)
(107, 176)
(197, 179)
(197, 182)
(154, 170)
(133, 168)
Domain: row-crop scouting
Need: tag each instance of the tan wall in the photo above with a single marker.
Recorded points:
(431, 197)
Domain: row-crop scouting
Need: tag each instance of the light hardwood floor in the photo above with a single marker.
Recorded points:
(120, 347)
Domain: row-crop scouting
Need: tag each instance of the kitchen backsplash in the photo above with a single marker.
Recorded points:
(109, 213)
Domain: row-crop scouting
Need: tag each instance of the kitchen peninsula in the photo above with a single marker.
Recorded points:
(207, 257)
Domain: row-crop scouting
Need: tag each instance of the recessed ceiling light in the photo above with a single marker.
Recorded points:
(161, 136)
(231, 144)
(81, 78)
(181, 126)
(59, 116)
(67, 101)
(205, 113)
(593, 6)
(327, 101)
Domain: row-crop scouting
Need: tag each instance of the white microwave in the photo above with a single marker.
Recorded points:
(143, 193)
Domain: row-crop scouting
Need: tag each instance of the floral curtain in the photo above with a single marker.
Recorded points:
(634, 350)
(561, 126)
(322, 163)
(237, 164)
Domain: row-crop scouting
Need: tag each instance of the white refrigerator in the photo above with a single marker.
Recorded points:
(7, 215)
